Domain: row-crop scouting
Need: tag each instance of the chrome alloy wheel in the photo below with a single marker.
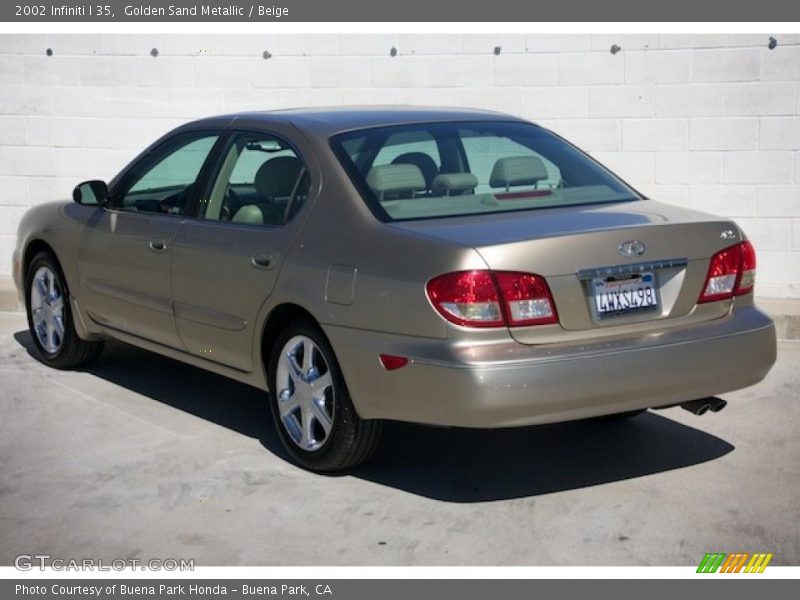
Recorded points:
(305, 393)
(47, 310)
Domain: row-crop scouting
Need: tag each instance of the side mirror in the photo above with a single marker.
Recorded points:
(91, 193)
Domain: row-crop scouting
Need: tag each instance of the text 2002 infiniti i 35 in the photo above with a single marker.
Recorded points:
(448, 267)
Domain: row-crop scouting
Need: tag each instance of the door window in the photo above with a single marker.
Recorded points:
(164, 182)
(261, 181)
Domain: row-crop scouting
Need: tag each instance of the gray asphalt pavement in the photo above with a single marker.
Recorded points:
(144, 457)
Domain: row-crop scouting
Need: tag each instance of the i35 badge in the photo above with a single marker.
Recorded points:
(632, 249)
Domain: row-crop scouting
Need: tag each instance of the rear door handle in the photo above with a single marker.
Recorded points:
(158, 245)
(262, 260)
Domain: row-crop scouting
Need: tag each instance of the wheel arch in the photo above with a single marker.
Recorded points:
(31, 249)
(352, 445)
(279, 317)
(34, 247)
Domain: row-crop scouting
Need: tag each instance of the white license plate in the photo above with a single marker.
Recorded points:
(623, 296)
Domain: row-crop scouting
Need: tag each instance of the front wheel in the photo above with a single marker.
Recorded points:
(313, 414)
(50, 317)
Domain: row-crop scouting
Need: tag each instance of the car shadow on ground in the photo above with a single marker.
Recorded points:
(454, 465)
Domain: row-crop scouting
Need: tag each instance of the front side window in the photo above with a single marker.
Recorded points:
(164, 181)
(439, 170)
(260, 181)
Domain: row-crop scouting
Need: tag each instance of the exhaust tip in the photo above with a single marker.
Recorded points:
(697, 407)
(717, 404)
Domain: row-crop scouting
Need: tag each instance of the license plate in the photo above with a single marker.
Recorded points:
(625, 296)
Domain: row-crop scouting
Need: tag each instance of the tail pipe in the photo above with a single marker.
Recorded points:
(717, 404)
(703, 405)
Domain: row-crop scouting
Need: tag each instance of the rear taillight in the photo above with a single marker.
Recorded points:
(527, 299)
(747, 279)
(467, 298)
(732, 272)
(492, 299)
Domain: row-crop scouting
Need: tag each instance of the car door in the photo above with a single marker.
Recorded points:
(225, 262)
(125, 252)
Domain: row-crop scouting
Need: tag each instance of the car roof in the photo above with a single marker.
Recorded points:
(324, 121)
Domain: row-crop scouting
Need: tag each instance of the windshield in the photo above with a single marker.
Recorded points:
(434, 170)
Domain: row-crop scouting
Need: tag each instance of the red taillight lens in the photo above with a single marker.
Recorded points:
(527, 299)
(467, 298)
(492, 299)
(747, 278)
(731, 272)
(722, 274)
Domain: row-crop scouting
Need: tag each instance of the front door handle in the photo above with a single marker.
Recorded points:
(158, 245)
(262, 260)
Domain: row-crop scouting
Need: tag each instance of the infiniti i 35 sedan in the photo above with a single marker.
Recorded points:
(446, 267)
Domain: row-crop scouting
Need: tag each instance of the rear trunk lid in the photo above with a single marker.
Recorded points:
(589, 253)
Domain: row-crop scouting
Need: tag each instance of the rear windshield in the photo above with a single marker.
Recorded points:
(434, 170)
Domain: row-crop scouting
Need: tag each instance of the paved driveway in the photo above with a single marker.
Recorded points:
(144, 457)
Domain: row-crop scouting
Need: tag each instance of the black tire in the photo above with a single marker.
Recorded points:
(72, 352)
(351, 440)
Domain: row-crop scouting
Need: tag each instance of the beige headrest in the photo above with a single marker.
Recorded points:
(517, 170)
(249, 214)
(386, 179)
(453, 183)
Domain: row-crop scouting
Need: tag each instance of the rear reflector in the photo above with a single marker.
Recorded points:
(390, 363)
(732, 271)
(492, 298)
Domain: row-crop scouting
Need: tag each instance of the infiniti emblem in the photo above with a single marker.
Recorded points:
(632, 248)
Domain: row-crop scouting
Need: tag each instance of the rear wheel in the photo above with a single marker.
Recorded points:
(313, 414)
(50, 317)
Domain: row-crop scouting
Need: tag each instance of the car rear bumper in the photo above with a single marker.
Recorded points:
(514, 385)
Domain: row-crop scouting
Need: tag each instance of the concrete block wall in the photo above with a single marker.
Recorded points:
(706, 121)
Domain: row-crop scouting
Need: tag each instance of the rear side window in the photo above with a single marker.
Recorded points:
(438, 170)
(260, 180)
